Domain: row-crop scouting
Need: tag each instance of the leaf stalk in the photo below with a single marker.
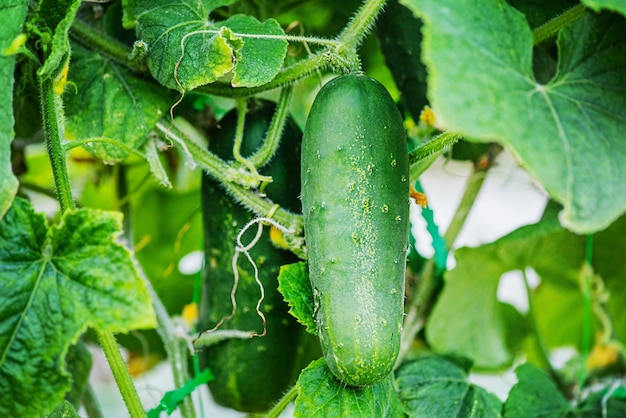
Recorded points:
(120, 373)
(52, 114)
(553, 26)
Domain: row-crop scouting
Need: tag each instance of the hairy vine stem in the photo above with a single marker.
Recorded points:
(272, 139)
(553, 26)
(52, 114)
(90, 37)
(217, 168)
(120, 373)
(360, 24)
(283, 402)
(538, 340)
(287, 76)
(175, 347)
(586, 278)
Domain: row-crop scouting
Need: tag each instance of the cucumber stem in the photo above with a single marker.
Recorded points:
(175, 347)
(283, 403)
(218, 169)
(553, 26)
(275, 130)
(82, 142)
(289, 75)
(52, 114)
(90, 403)
(120, 373)
(94, 39)
(538, 340)
(586, 277)
(356, 29)
(439, 143)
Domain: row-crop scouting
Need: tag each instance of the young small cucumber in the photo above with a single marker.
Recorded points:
(355, 201)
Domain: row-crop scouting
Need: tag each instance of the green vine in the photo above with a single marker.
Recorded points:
(111, 47)
(52, 114)
(282, 404)
(121, 375)
(272, 139)
(217, 168)
(586, 278)
(553, 26)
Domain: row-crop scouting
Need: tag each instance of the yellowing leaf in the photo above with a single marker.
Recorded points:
(188, 50)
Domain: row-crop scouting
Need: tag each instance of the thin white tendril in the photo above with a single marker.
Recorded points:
(605, 399)
(240, 248)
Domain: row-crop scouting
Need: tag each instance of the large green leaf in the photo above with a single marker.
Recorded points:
(436, 387)
(468, 320)
(188, 49)
(535, 395)
(617, 5)
(55, 282)
(320, 394)
(559, 300)
(109, 102)
(566, 133)
(13, 15)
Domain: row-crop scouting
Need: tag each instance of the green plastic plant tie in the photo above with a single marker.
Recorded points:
(439, 243)
(172, 399)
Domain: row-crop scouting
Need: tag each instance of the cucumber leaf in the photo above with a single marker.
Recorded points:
(535, 395)
(469, 299)
(437, 387)
(615, 5)
(63, 410)
(294, 285)
(57, 16)
(566, 133)
(321, 394)
(55, 282)
(13, 15)
(109, 102)
(188, 49)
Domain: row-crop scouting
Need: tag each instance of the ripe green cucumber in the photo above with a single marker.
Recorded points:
(250, 374)
(355, 201)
